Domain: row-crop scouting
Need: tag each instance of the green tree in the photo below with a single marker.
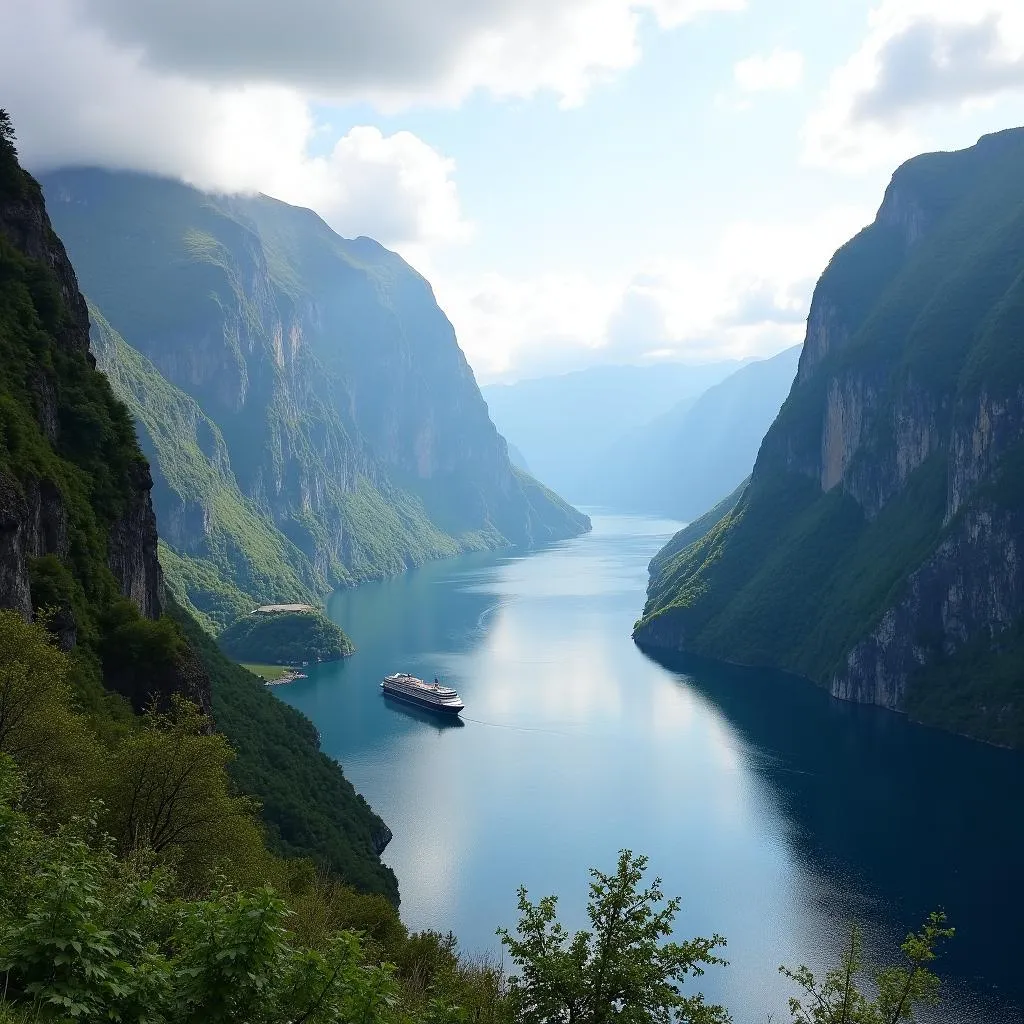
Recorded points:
(167, 791)
(11, 177)
(901, 990)
(32, 682)
(38, 727)
(86, 935)
(7, 132)
(622, 969)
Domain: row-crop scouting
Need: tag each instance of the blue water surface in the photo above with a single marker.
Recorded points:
(776, 813)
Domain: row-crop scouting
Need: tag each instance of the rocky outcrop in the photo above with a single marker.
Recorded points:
(879, 542)
(33, 516)
(972, 585)
(75, 492)
(380, 839)
(132, 546)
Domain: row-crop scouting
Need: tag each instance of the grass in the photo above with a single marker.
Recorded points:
(268, 673)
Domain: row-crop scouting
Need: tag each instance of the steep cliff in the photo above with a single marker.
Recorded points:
(78, 544)
(77, 531)
(877, 547)
(320, 387)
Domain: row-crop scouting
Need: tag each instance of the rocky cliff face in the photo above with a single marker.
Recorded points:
(340, 411)
(33, 508)
(77, 527)
(892, 481)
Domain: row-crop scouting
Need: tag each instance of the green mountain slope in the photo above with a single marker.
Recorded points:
(206, 517)
(309, 807)
(877, 547)
(695, 531)
(314, 375)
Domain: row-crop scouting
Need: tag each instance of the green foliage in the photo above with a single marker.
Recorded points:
(38, 724)
(85, 935)
(12, 178)
(308, 806)
(202, 590)
(900, 991)
(133, 877)
(133, 643)
(976, 691)
(697, 530)
(285, 638)
(168, 792)
(620, 970)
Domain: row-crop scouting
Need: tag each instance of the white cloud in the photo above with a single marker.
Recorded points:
(672, 13)
(394, 51)
(220, 92)
(106, 107)
(779, 70)
(748, 298)
(917, 56)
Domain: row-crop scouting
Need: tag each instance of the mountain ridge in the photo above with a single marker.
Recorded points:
(79, 553)
(350, 421)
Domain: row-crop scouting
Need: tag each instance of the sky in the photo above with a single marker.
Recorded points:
(582, 181)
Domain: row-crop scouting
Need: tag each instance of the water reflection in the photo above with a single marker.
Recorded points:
(432, 718)
(923, 818)
(775, 813)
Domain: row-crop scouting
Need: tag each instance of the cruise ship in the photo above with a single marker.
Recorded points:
(432, 696)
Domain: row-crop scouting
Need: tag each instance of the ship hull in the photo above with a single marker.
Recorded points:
(407, 698)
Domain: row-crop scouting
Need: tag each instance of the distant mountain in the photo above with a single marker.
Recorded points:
(689, 458)
(879, 546)
(560, 423)
(310, 417)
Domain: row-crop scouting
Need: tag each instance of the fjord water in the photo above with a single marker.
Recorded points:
(775, 812)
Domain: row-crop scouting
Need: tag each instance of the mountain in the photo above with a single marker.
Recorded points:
(79, 551)
(691, 456)
(559, 423)
(309, 415)
(878, 547)
(698, 529)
